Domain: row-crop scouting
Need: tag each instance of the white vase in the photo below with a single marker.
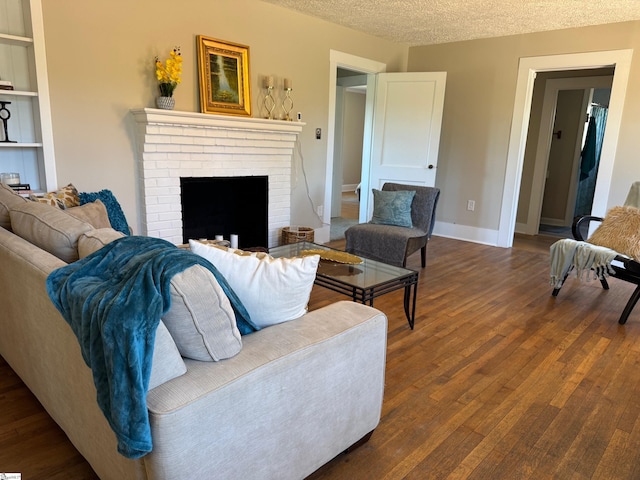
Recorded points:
(165, 103)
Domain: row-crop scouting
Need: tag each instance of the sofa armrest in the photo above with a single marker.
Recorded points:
(298, 393)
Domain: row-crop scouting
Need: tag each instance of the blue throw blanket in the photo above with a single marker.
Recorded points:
(113, 300)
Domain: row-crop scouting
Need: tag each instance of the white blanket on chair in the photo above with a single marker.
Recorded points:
(583, 256)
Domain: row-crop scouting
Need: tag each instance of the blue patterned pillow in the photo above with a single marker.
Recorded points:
(392, 208)
(116, 216)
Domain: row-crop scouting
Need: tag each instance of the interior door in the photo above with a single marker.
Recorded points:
(402, 131)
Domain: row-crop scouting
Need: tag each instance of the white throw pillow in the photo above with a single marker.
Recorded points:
(273, 290)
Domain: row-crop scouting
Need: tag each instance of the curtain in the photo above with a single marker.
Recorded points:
(590, 160)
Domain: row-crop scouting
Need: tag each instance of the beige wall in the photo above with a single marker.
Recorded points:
(100, 62)
(479, 100)
(100, 66)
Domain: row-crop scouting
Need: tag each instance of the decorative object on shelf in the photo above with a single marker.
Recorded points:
(269, 102)
(287, 101)
(169, 76)
(10, 178)
(6, 85)
(223, 70)
(5, 115)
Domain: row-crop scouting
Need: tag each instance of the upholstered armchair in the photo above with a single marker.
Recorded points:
(401, 225)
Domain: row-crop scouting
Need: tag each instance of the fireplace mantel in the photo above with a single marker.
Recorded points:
(173, 144)
(155, 116)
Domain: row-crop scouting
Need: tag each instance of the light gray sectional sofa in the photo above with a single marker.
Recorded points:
(294, 395)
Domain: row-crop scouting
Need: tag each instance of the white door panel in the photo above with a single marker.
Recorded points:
(402, 141)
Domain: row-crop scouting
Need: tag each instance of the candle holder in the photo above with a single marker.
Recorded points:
(287, 104)
(269, 102)
(5, 115)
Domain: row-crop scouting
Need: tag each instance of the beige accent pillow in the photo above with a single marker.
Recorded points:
(94, 213)
(48, 228)
(66, 197)
(201, 320)
(8, 200)
(620, 231)
(167, 363)
(94, 240)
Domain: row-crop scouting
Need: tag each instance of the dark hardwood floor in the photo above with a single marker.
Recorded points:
(498, 380)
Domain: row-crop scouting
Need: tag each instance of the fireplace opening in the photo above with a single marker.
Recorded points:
(226, 205)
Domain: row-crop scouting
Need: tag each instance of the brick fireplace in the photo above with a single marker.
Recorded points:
(173, 144)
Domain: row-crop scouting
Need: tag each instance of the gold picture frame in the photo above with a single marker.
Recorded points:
(223, 70)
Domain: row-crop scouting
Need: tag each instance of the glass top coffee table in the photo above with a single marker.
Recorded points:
(362, 282)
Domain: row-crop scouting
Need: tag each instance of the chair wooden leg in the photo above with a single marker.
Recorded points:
(635, 296)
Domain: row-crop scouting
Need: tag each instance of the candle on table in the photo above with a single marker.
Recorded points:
(234, 240)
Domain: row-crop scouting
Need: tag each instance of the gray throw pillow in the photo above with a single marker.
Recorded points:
(201, 320)
(392, 208)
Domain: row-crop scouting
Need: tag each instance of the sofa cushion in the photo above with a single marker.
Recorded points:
(273, 290)
(201, 320)
(620, 231)
(94, 213)
(116, 216)
(167, 362)
(49, 228)
(63, 198)
(8, 200)
(392, 207)
(94, 240)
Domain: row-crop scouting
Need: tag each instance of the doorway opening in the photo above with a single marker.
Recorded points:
(354, 66)
(528, 69)
(553, 178)
(351, 91)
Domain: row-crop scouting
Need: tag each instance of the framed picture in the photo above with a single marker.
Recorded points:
(223, 68)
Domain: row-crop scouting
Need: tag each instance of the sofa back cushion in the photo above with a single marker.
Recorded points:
(8, 200)
(201, 320)
(49, 228)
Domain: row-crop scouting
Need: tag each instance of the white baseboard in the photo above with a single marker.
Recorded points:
(484, 236)
(350, 187)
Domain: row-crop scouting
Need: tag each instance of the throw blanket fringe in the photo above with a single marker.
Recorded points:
(113, 300)
(584, 257)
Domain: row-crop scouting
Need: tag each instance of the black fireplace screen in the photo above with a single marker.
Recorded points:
(224, 206)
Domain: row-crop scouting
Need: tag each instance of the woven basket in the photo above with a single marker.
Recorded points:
(296, 234)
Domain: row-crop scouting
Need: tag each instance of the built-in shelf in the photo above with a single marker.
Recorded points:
(15, 39)
(24, 62)
(18, 93)
(19, 145)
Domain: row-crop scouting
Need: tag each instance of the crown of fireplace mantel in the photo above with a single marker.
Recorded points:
(173, 144)
(154, 116)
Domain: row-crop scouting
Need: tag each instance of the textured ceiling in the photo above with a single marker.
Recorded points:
(425, 22)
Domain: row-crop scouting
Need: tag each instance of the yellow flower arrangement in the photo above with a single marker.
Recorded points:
(169, 75)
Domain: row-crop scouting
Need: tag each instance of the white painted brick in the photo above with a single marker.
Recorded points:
(169, 152)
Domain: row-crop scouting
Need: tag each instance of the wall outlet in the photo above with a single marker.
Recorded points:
(320, 210)
(471, 205)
